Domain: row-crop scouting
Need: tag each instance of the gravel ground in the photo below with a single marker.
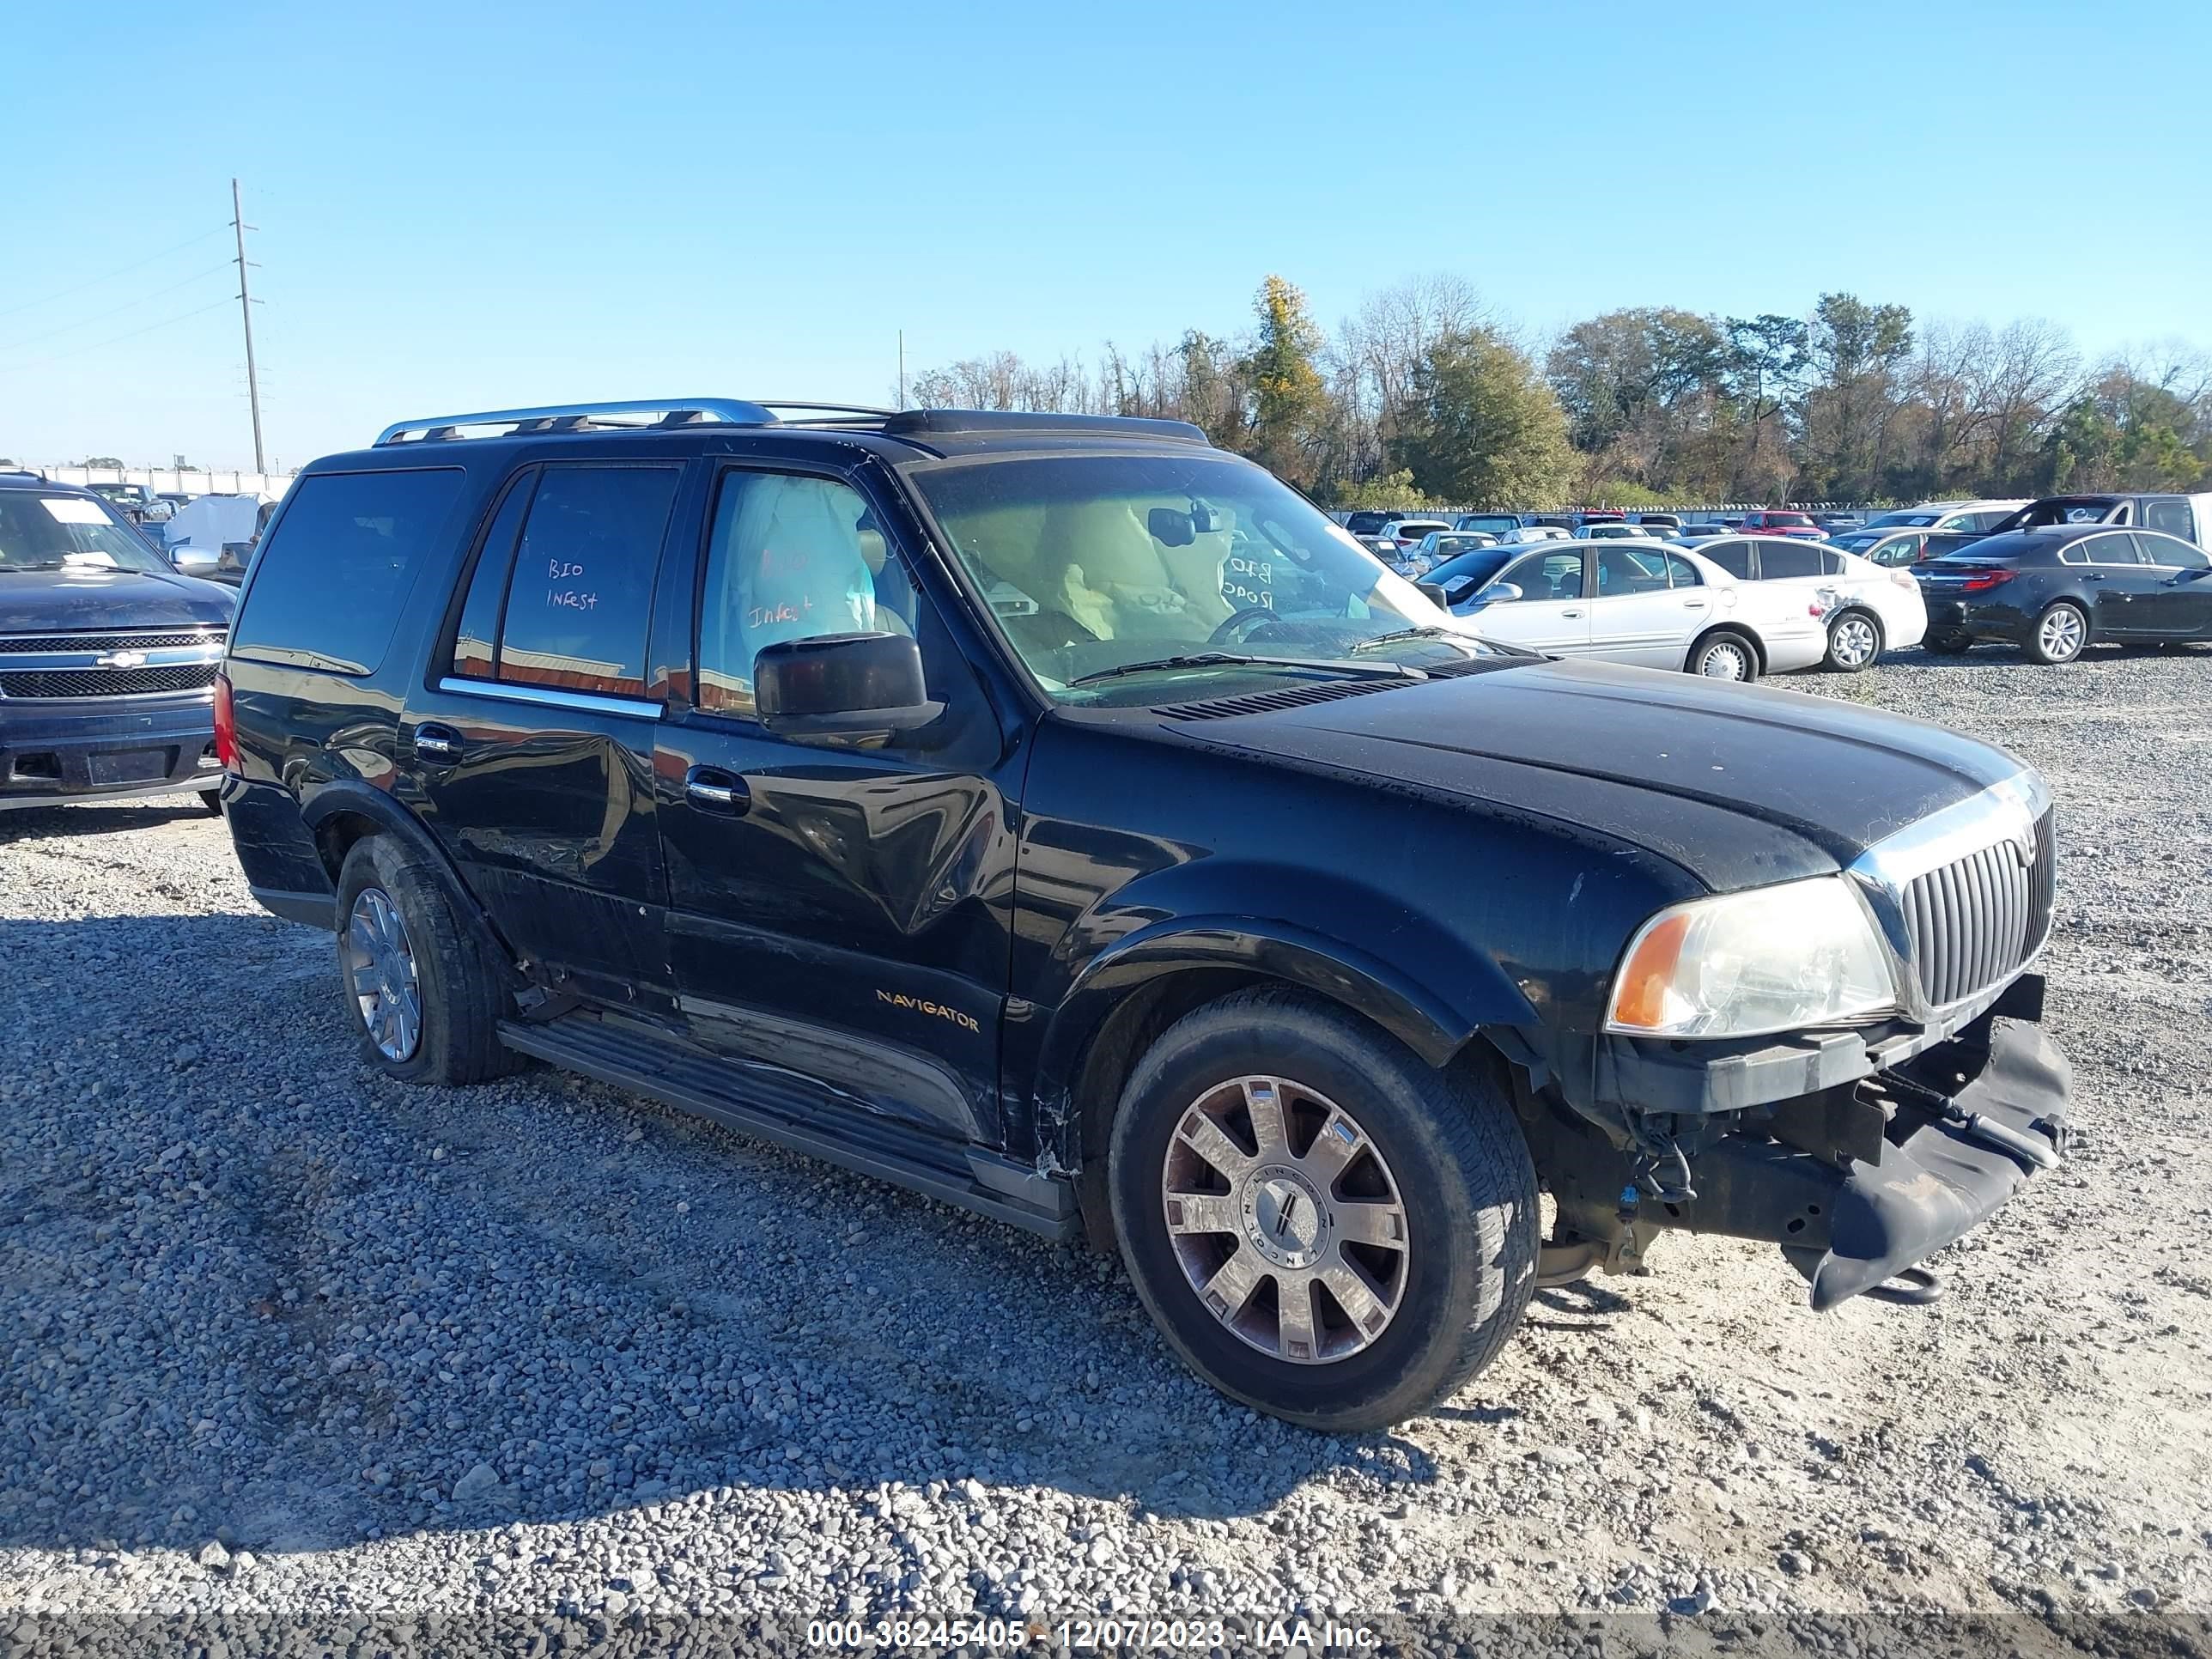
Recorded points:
(290, 1347)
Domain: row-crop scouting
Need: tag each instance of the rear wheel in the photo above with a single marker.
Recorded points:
(1949, 642)
(1323, 1227)
(1854, 641)
(424, 997)
(1724, 654)
(2059, 634)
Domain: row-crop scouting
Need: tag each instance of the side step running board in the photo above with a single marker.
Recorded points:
(693, 1081)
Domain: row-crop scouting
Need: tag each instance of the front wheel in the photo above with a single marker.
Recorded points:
(1724, 654)
(1854, 642)
(1322, 1226)
(2060, 633)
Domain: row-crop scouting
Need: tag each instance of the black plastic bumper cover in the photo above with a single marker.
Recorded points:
(1940, 1182)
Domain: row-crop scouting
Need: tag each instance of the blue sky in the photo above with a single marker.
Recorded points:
(463, 206)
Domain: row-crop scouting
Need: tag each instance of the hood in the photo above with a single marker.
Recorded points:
(80, 600)
(1741, 785)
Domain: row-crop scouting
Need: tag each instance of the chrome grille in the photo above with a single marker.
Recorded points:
(29, 644)
(1978, 918)
(106, 682)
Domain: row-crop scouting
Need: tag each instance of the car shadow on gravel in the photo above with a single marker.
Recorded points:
(19, 823)
(251, 1286)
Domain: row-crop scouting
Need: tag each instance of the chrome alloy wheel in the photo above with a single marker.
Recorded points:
(380, 975)
(1851, 642)
(1725, 659)
(1286, 1220)
(2060, 633)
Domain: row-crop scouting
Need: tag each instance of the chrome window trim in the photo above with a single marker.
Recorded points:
(2008, 810)
(550, 697)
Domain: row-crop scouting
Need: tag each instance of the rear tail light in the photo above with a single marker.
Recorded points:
(226, 728)
(1816, 609)
(1982, 580)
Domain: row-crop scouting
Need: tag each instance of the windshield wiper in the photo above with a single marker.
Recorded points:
(1430, 632)
(56, 565)
(1240, 660)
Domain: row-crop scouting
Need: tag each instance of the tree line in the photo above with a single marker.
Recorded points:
(1424, 396)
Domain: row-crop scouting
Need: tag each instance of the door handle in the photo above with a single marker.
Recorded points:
(2093, 576)
(440, 745)
(1570, 615)
(1693, 604)
(711, 789)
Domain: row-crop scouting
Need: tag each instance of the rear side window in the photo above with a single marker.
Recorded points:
(1680, 572)
(1780, 560)
(567, 604)
(330, 584)
(1735, 557)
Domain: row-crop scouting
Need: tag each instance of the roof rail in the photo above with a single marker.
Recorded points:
(572, 417)
(1007, 420)
(829, 413)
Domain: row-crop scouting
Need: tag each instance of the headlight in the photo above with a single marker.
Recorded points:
(1743, 965)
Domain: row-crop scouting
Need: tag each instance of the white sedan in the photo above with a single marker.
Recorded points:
(1649, 604)
(1871, 609)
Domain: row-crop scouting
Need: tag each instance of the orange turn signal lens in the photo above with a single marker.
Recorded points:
(1639, 994)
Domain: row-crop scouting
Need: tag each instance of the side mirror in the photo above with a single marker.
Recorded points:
(842, 688)
(195, 560)
(1431, 592)
(1499, 591)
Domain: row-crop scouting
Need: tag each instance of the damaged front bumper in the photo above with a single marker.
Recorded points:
(1856, 1183)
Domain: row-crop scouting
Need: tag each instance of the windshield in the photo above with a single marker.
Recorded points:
(1495, 523)
(1902, 521)
(1857, 541)
(1092, 564)
(58, 532)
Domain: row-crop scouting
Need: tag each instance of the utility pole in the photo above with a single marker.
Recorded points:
(902, 342)
(245, 315)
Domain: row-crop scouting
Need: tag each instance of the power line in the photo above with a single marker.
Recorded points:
(78, 351)
(139, 264)
(128, 304)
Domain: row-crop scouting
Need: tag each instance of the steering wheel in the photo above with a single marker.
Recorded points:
(1227, 632)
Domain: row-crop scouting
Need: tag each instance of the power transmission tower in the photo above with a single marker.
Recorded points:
(245, 313)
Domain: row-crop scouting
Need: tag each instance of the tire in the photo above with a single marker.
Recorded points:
(1440, 1159)
(2059, 635)
(1724, 648)
(457, 996)
(212, 799)
(1855, 641)
(1952, 642)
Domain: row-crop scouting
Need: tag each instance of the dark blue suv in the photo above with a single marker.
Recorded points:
(107, 656)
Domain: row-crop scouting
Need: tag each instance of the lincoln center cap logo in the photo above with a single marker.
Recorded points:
(123, 659)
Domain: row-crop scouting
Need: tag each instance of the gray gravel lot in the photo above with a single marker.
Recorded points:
(281, 1338)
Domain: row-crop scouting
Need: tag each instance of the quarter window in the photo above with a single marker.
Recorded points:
(1680, 572)
(339, 565)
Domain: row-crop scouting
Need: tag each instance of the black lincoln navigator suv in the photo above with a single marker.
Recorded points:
(1061, 816)
(107, 656)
